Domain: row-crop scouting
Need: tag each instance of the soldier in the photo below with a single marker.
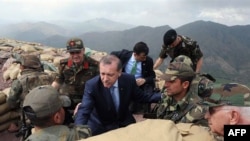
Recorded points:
(178, 103)
(228, 105)
(43, 107)
(74, 72)
(32, 75)
(175, 45)
(202, 84)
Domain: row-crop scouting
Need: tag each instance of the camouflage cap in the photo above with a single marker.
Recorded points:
(43, 101)
(233, 94)
(169, 37)
(31, 61)
(74, 44)
(177, 69)
(185, 59)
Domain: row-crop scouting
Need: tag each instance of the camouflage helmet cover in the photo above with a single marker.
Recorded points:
(233, 94)
(185, 59)
(74, 44)
(177, 69)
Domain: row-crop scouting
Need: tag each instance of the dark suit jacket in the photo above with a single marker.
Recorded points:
(97, 108)
(147, 66)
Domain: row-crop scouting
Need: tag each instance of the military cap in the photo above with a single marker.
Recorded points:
(169, 37)
(177, 69)
(44, 101)
(74, 44)
(31, 61)
(233, 94)
(185, 59)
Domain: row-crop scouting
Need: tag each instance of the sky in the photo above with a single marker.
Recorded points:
(152, 13)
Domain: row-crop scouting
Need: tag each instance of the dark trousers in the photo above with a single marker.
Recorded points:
(138, 108)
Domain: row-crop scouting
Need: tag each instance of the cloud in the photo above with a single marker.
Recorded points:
(137, 12)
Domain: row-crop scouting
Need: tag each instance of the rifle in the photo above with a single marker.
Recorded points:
(25, 130)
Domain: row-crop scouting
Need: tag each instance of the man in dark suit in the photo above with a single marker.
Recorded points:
(142, 64)
(100, 109)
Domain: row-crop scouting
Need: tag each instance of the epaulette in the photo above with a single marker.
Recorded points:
(188, 41)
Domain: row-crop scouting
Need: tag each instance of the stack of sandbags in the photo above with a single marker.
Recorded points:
(12, 72)
(7, 115)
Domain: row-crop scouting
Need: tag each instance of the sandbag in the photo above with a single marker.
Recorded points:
(46, 57)
(10, 115)
(2, 97)
(4, 107)
(6, 74)
(148, 130)
(6, 91)
(28, 48)
(14, 72)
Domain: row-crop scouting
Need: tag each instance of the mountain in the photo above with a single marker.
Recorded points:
(43, 30)
(225, 48)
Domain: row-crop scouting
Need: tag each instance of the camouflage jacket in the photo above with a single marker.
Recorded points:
(72, 78)
(28, 80)
(187, 47)
(187, 110)
(60, 133)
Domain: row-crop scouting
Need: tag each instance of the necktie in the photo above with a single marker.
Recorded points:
(134, 67)
(115, 96)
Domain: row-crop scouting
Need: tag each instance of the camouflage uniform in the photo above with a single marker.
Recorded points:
(41, 104)
(72, 77)
(187, 109)
(31, 77)
(202, 84)
(60, 133)
(187, 47)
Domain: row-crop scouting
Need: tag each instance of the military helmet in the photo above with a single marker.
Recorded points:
(30, 61)
(185, 59)
(169, 37)
(74, 44)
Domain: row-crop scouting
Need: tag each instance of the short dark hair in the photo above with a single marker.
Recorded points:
(141, 47)
(108, 59)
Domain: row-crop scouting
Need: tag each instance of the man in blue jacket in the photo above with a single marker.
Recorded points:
(106, 99)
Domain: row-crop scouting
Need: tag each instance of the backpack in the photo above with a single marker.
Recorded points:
(34, 79)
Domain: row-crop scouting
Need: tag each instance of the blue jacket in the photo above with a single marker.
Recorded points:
(98, 111)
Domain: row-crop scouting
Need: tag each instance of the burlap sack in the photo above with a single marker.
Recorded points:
(2, 97)
(57, 59)
(148, 130)
(4, 107)
(10, 115)
(6, 74)
(14, 72)
(6, 91)
(46, 57)
(28, 48)
(5, 48)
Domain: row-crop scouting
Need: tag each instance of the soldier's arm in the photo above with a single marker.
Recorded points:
(15, 93)
(158, 62)
(199, 64)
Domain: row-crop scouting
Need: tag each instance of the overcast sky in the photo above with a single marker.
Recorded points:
(136, 12)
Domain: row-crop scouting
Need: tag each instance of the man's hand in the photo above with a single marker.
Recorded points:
(140, 81)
